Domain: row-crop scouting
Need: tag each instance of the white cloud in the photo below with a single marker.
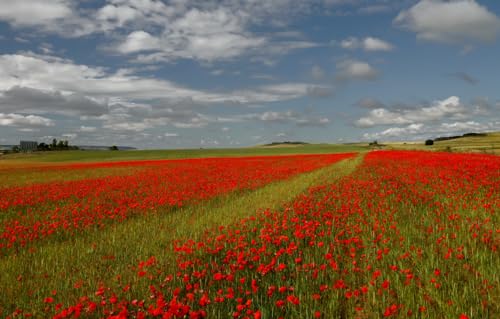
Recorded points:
(70, 136)
(112, 15)
(33, 101)
(287, 117)
(171, 135)
(382, 117)
(206, 32)
(367, 44)
(206, 35)
(411, 129)
(375, 44)
(87, 129)
(356, 70)
(448, 108)
(465, 127)
(139, 41)
(13, 119)
(423, 131)
(34, 73)
(200, 30)
(456, 22)
(34, 12)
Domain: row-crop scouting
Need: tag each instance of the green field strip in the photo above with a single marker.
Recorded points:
(94, 156)
(99, 256)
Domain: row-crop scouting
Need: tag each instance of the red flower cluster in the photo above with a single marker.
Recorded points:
(33, 212)
(407, 233)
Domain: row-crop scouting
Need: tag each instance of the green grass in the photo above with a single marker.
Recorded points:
(100, 256)
(94, 156)
(20, 177)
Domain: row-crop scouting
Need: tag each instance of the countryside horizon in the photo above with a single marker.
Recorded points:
(287, 159)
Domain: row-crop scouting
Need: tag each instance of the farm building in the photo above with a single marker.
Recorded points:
(28, 146)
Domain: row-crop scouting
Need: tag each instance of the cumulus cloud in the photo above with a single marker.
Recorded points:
(139, 41)
(192, 29)
(25, 77)
(87, 129)
(356, 70)
(462, 22)
(13, 119)
(447, 108)
(205, 35)
(367, 44)
(29, 100)
(121, 101)
(287, 117)
(423, 131)
(34, 12)
(399, 132)
(158, 31)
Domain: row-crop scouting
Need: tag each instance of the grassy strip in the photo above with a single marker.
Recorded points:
(103, 255)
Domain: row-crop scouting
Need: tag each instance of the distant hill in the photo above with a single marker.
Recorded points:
(488, 143)
(446, 138)
(103, 148)
(286, 143)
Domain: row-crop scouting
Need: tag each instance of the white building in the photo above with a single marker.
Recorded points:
(28, 146)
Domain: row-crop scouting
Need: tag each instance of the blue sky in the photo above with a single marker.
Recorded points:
(228, 73)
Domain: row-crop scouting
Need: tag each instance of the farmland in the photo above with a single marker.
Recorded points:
(306, 232)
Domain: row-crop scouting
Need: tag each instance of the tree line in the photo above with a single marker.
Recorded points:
(56, 146)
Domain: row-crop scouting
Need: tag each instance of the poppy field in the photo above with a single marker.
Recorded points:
(396, 234)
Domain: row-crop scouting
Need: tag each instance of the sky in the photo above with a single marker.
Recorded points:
(232, 73)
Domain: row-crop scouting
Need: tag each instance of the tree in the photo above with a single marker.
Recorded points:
(43, 147)
(54, 144)
(429, 142)
(16, 149)
(113, 148)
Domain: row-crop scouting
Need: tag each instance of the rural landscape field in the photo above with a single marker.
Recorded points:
(343, 234)
(249, 159)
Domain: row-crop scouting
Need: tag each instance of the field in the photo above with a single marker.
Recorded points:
(314, 231)
(489, 144)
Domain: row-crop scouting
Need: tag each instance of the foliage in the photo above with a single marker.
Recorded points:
(56, 146)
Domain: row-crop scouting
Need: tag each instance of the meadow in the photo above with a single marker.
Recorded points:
(315, 231)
